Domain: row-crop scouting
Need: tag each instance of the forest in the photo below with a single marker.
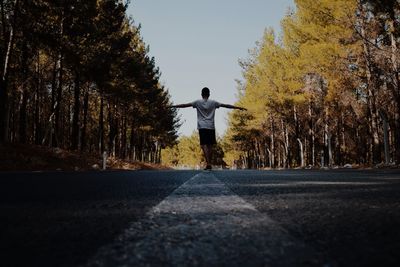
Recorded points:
(77, 75)
(325, 92)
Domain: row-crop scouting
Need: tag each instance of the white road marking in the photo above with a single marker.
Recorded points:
(203, 223)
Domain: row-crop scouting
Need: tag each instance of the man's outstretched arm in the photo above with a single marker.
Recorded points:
(232, 107)
(188, 105)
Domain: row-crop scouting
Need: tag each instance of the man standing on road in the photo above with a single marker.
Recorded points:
(205, 121)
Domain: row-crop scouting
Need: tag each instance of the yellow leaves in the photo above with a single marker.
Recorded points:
(325, 24)
(318, 57)
(324, 76)
(313, 43)
(186, 153)
(323, 20)
(169, 156)
(271, 82)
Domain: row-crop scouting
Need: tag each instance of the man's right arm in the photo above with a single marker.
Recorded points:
(188, 105)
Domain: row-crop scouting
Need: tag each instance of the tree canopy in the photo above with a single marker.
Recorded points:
(325, 92)
(78, 75)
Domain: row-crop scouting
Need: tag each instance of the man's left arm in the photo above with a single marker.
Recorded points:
(231, 106)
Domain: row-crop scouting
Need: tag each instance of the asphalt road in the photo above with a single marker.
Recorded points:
(351, 218)
(183, 218)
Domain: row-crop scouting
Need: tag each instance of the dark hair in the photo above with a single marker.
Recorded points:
(205, 92)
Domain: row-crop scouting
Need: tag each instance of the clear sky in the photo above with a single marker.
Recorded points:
(198, 43)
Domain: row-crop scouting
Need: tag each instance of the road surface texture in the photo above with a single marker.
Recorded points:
(200, 218)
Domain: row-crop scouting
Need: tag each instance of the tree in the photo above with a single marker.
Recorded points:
(9, 16)
(81, 76)
(314, 96)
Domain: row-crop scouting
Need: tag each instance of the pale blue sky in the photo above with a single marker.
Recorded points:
(198, 43)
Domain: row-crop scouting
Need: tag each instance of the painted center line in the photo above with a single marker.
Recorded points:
(203, 223)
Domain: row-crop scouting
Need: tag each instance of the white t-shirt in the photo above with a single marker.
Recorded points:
(205, 113)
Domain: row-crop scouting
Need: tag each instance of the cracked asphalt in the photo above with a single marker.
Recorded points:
(328, 218)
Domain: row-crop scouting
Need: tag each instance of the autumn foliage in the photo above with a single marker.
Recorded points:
(325, 92)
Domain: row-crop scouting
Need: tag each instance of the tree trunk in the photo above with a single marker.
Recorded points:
(57, 105)
(396, 88)
(272, 142)
(123, 147)
(299, 157)
(385, 136)
(3, 23)
(343, 138)
(85, 119)
(371, 101)
(132, 141)
(376, 157)
(37, 84)
(3, 111)
(22, 118)
(101, 125)
(75, 117)
(112, 131)
(24, 95)
(59, 74)
(311, 133)
(285, 142)
(327, 139)
(301, 152)
(53, 102)
(397, 131)
(4, 118)
(37, 125)
(116, 126)
(330, 158)
(339, 144)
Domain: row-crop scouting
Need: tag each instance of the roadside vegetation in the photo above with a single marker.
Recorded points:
(77, 75)
(324, 93)
(187, 153)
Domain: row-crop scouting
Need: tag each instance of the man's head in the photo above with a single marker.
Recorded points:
(205, 92)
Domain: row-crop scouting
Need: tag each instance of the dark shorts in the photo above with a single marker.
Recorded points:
(207, 137)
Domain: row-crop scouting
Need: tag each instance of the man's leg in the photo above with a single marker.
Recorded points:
(207, 149)
(209, 154)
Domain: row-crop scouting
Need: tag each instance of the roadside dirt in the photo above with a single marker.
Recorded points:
(16, 157)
